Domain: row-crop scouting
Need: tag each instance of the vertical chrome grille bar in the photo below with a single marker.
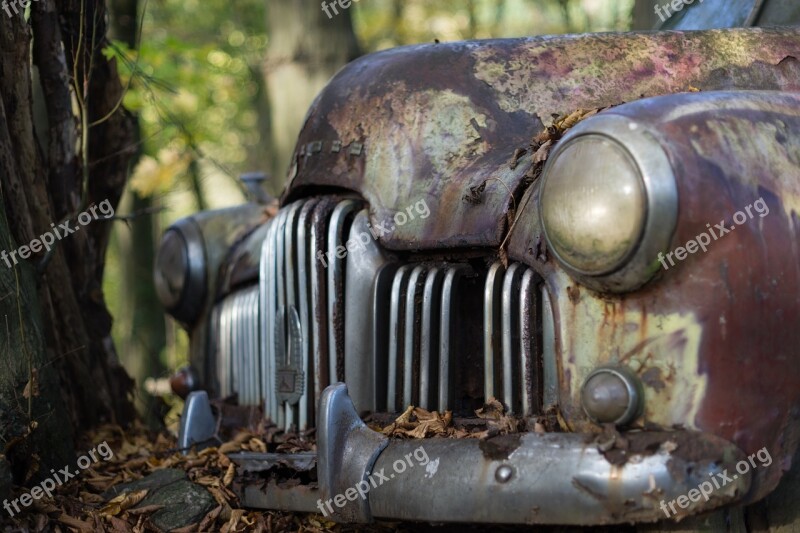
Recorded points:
(382, 331)
(429, 342)
(255, 360)
(304, 292)
(248, 346)
(364, 365)
(233, 342)
(492, 321)
(319, 268)
(414, 282)
(290, 282)
(241, 346)
(396, 333)
(446, 323)
(336, 232)
(267, 297)
(549, 363)
(279, 302)
(510, 303)
(224, 355)
(528, 366)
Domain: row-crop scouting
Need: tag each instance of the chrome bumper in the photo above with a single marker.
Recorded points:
(555, 478)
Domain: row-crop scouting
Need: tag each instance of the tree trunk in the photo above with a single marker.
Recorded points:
(61, 373)
(306, 48)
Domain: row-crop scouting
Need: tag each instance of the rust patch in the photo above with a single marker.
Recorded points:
(652, 378)
(501, 447)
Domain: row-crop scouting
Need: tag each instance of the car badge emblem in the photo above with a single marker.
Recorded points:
(289, 378)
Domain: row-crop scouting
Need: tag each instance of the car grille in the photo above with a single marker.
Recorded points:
(410, 335)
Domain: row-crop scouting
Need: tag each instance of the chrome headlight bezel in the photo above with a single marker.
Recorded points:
(661, 201)
(185, 303)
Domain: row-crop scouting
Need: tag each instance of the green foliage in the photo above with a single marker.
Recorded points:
(192, 82)
(383, 24)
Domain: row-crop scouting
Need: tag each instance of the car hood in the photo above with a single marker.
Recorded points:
(441, 123)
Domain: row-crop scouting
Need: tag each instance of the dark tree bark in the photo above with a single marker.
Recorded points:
(306, 48)
(60, 371)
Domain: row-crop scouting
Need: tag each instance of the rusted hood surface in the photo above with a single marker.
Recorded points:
(441, 122)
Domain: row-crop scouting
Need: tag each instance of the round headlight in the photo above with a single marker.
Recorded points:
(179, 272)
(608, 203)
(171, 269)
(593, 208)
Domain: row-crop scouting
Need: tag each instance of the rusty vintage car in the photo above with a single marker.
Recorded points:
(561, 178)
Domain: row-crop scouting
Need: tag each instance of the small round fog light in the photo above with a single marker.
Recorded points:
(612, 395)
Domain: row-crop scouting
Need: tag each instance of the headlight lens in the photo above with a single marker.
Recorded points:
(179, 272)
(608, 203)
(594, 205)
(171, 269)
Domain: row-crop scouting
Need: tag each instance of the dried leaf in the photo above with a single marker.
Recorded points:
(118, 525)
(145, 510)
(122, 502)
(80, 525)
(493, 410)
(210, 519)
(542, 153)
(228, 479)
(499, 422)
(257, 445)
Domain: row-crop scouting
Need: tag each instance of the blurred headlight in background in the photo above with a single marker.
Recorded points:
(180, 271)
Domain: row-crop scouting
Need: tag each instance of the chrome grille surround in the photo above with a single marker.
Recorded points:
(412, 326)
